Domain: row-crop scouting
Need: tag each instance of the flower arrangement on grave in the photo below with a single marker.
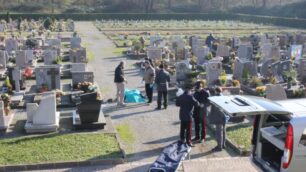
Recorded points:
(298, 93)
(7, 86)
(272, 80)
(209, 56)
(87, 87)
(255, 82)
(43, 88)
(58, 60)
(236, 83)
(193, 61)
(261, 90)
(258, 57)
(223, 78)
(6, 103)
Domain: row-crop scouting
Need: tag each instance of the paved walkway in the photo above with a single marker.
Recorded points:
(153, 130)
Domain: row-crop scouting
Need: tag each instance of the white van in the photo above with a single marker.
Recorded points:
(279, 134)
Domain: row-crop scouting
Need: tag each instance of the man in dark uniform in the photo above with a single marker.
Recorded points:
(187, 103)
(162, 80)
(199, 113)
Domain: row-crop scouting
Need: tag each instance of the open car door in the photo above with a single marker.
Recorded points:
(246, 105)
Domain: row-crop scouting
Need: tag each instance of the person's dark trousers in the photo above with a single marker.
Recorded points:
(185, 133)
(200, 127)
(161, 94)
(149, 92)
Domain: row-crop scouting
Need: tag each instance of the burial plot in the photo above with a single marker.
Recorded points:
(78, 55)
(223, 51)
(43, 118)
(275, 53)
(244, 66)
(275, 92)
(266, 51)
(80, 77)
(213, 72)
(245, 52)
(154, 53)
(236, 42)
(75, 42)
(5, 119)
(49, 57)
(279, 69)
(48, 76)
(265, 69)
(89, 113)
(78, 67)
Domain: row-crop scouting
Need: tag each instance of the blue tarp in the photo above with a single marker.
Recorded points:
(171, 157)
(133, 96)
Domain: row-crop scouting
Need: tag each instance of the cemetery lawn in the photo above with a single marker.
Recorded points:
(240, 135)
(58, 148)
(126, 136)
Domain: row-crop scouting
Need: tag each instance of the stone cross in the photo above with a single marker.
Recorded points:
(53, 72)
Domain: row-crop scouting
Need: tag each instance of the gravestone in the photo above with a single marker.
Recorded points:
(279, 69)
(236, 42)
(49, 57)
(265, 70)
(154, 40)
(80, 77)
(283, 41)
(154, 53)
(300, 39)
(275, 92)
(181, 70)
(17, 77)
(245, 52)
(48, 76)
(90, 113)
(296, 52)
(241, 66)
(78, 67)
(266, 51)
(213, 72)
(54, 42)
(43, 118)
(302, 71)
(11, 45)
(75, 42)
(5, 120)
(275, 53)
(78, 55)
(21, 59)
(201, 53)
(223, 51)
(264, 39)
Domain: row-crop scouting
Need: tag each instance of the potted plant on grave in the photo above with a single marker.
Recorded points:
(245, 76)
(261, 90)
(58, 60)
(223, 78)
(236, 83)
(7, 86)
(209, 56)
(255, 82)
(6, 103)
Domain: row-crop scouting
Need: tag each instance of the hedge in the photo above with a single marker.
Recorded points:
(279, 21)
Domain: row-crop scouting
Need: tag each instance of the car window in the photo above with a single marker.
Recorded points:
(303, 138)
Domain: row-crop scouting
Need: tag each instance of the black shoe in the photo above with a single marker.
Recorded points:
(149, 102)
(190, 144)
(158, 108)
(216, 149)
(182, 141)
(165, 107)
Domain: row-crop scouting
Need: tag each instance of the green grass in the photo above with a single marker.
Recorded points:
(240, 135)
(126, 136)
(58, 148)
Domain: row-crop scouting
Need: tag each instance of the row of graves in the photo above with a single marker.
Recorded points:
(43, 79)
(29, 25)
(262, 65)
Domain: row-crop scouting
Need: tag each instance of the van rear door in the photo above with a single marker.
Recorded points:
(246, 105)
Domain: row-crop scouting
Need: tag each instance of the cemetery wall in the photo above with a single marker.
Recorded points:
(280, 21)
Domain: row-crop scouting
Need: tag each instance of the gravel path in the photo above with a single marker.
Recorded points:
(153, 130)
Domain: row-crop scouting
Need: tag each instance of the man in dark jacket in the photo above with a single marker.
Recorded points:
(187, 103)
(120, 83)
(199, 113)
(162, 79)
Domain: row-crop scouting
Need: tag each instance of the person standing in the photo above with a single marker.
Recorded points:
(162, 80)
(120, 83)
(187, 103)
(218, 118)
(149, 78)
(199, 113)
